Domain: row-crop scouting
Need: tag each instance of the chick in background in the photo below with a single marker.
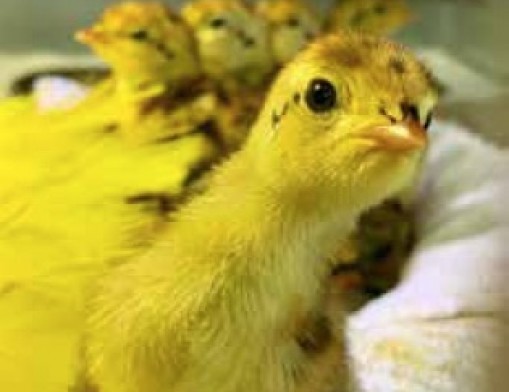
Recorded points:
(233, 43)
(154, 74)
(155, 70)
(293, 24)
(380, 17)
(236, 296)
(234, 51)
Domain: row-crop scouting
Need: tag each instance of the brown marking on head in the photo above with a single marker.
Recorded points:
(371, 58)
(349, 57)
(398, 65)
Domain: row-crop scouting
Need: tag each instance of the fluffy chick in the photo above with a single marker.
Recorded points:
(233, 43)
(146, 46)
(235, 296)
(155, 69)
(293, 24)
(234, 50)
(381, 17)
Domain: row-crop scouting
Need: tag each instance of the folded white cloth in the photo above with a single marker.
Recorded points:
(14, 66)
(445, 327)
(55, 93)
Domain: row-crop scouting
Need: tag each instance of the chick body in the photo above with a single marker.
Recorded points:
(235, 296)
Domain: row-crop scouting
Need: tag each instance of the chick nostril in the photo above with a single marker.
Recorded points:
(410, 111)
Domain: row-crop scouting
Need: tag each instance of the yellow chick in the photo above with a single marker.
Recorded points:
(235, 296)
(155, 69)
(381, 17)
(145, 44)
(293, 24)
(155, 73)
(233, 43)
(234, 50)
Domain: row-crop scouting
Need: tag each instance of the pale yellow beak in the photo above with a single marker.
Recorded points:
(90, 36)
(402, 136)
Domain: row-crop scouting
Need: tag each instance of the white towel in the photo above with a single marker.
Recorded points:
(56, 93)
(445, 327)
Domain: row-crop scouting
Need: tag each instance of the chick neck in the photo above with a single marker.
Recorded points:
(269, 236)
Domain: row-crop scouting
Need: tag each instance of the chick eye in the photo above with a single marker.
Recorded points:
(321, 96)
(217, 23)
(293, 22)
(139, 35)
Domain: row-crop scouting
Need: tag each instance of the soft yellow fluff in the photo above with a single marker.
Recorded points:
(86, 187)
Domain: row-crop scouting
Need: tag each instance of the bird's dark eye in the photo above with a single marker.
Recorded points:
(321, 96)
(217, 23)
(293, 22)
(139, 35)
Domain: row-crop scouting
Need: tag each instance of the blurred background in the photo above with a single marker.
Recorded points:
(463, 41)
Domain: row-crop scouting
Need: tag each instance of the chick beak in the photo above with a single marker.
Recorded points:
(401, 136)
(89, 36)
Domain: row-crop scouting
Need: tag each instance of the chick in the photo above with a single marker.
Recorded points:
(155, 69)
(234, 50)
(293, 24)
(233, 43)
(381, 17)
(154, 74)
(235, 296)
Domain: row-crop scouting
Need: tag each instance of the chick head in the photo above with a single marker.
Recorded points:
(293, 24)
(346, 119)
(143, 42)
(233, 42)
(381, 17)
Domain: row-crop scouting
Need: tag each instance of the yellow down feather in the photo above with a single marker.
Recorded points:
(80, 190)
